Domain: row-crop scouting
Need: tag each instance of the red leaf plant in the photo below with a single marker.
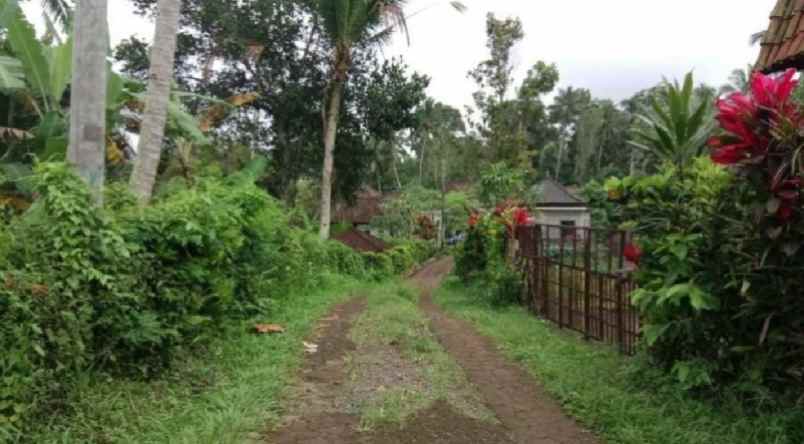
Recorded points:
(761, 133)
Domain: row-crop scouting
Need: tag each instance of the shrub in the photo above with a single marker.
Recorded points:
(380, 264)
(121, 289)
(713, 314)
(482, 256)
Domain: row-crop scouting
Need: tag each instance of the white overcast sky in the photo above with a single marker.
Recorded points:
(614, 47)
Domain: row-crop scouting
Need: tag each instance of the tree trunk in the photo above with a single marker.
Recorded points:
(87, 151)
(396, 172)
(152, 133)
(560, 158)
(421, 165)
(330, 136)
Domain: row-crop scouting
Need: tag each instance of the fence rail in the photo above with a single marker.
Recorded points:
(578, 278)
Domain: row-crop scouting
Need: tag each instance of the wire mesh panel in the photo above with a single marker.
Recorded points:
(578, 278)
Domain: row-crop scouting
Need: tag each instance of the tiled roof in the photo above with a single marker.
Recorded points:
(361, 241)
(555, 194)
(783, 42)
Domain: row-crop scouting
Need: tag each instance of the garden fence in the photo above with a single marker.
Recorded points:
(578, 279)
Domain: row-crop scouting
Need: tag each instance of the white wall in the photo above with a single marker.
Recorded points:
(554, 216)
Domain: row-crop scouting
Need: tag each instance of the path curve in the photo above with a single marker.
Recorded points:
(519, 402)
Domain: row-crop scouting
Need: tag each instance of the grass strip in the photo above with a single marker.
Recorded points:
(599, 387)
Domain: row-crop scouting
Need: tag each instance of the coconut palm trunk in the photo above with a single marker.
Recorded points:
(87, 150)
(348, 23)
(152, 132)
(330, 137)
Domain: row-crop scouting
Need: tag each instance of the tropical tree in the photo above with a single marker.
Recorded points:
(152, 131)
(739, 81)
(512, 123)
(565, 112)
(439, 124)
(677, 125)
(87, 149)
(57, 12)
(347, 24)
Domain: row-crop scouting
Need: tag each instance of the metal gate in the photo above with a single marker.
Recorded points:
(578, 279)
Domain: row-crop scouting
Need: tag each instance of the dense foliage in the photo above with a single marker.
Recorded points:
(721, 274)
(122, 289)
(484, 255)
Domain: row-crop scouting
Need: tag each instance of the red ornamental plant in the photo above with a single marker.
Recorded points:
(514, 217)
(762, 137)
(632, 254)
(474, 218)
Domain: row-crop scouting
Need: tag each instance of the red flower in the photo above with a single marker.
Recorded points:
(474, 218)
(521, 216)
(632, 253)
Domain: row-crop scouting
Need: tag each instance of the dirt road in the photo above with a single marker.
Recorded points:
(340, 374)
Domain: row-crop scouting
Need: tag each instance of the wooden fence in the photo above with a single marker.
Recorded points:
(578, 279)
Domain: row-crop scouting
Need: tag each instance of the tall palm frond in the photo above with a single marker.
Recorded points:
(58, 11)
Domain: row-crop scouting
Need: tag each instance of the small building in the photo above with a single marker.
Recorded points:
(558, 206)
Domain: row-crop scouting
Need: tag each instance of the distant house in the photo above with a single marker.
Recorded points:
(559, 206)
(358, 215)
(367, 206)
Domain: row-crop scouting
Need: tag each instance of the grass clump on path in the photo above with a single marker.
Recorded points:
(234, 387)
(399, 368)
(597, 385)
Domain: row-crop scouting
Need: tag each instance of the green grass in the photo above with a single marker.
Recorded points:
(235, 387)
(392, 319)
(598, 386)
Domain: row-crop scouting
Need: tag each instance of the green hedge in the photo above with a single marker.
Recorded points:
(122, 289)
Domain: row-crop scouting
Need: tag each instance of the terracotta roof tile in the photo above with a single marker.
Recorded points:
(361, 241)
(783, 43)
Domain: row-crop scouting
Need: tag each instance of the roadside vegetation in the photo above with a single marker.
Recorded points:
(612, 395)
(219, 393)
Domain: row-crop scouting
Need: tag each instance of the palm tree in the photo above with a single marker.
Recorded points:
(152, 132)
(348, 23)
(58, 11)
(568, 106)
(87, 149)
(739, 81)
